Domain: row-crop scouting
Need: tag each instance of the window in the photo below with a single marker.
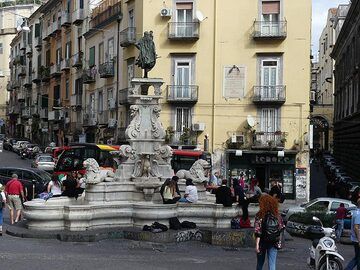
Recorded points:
(67, 89)
(182, 79)
(184, 16)
(130, 71)
(78, 87)
(92, 105)
(270, 17)
(101, 53)
(57, 100)
(68, 50)
(182, 119)
(318, 206)
(92, 56)
(269, 120)
(1, 48)
(110, 52)
(131, 18)
(100, 103)
(269, 77)
(58, 56)
(336, 205)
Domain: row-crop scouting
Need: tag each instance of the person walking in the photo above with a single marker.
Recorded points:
(339, 219)
(2, 200)
(268, 228)
(14, 192)
(355, 238)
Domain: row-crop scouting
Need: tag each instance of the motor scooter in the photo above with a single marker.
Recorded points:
(23, 154)
(323, 252)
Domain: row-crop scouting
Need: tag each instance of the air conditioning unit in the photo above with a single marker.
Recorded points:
(198, 127)
(166, 12)
(112, 123)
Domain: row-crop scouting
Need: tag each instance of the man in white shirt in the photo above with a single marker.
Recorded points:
(191, 195)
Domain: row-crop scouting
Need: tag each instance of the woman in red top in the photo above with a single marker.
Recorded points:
(340, 216)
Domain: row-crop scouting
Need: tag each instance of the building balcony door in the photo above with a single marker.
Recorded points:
(184, 19)
(269, 78)
(182, 79)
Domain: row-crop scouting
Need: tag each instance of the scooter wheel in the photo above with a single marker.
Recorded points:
(334, 264)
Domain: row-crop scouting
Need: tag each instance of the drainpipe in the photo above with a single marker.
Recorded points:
(214, 82)
(117, 76)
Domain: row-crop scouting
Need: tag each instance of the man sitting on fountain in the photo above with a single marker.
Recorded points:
(191, 194)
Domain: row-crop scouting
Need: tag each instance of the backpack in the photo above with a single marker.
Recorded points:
(158, 226)
(174, 223)
(188, 225)
(282, 197)
(235, 223)
(271, 228)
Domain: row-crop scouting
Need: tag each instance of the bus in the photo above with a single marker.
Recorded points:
(72, 158)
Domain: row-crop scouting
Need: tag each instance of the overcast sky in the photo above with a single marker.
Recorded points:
(320, 9)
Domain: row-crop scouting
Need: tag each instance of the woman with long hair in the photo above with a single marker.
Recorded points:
(54, 186)
(268, 227)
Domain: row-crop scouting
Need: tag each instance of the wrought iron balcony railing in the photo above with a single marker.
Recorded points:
(89, 75)
(184, 30)
(269, 30)
(128, 37)
(182, 93)
(106, 70)
(266, 94)
(269, 139)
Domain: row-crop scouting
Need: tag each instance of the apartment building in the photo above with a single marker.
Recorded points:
(347, 102)
(11, 19)
(236, 74)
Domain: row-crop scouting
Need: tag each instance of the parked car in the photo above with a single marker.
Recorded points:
(44, 162)
(9, 143)
(19, 146)
(34, 180)
(324, 204)
(32, 150)
(2, 137)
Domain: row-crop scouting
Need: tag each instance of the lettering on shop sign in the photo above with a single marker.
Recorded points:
(260, 159)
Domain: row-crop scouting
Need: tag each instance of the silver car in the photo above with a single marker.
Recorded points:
(325, 204)
(44, 162)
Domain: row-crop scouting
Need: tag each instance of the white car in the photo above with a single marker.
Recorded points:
(320, 204)
(44, 162)
(19, 145)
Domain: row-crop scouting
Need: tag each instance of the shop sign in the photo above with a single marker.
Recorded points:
(269, 159)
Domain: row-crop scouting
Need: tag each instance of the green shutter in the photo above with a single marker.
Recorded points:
(37, 30)
(92, 57)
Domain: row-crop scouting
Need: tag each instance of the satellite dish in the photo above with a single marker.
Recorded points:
(250, 120)
(200, 16)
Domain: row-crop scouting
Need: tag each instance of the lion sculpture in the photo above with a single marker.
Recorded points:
(198, 172)
(94, 174)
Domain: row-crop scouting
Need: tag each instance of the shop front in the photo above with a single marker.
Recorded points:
(264, 166)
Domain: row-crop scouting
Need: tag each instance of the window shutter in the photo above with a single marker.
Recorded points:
(92, 57)
(37, 30)
(271, 7)
(184, 6)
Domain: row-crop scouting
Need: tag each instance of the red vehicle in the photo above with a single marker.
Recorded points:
(72, 158)
(184, 159)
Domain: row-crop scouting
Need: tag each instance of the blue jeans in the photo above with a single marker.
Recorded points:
(339, 228)
(356, 260)
(184, 200)
(271, 254)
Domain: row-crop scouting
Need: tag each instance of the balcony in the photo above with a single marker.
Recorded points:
(23, 44)
(128, 37)
(29, 50)
(182, 93)
(184, 30)
(35, 110)
(112, 104)
(269, 140)
(78, 16)
(49, 30)
(14, 109)
(106, 70)
(89, 120)
(89, 75)
(44, 113)
(55, 70)
(103, 118)
(112, 123)
(28, 81)
(45, 73)
(65, 65)
(269, 30)
(55, 115)
(9, 86)
(124, 96)
(37, 76)
(38, 43)
(76, 101)
(269, 94)
(77, 60)
(21, 96)
(26, 113)
(65, 19)
(15, 84)
(21, 71)
(56, 27)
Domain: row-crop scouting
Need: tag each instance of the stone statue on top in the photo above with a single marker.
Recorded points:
(147, 55)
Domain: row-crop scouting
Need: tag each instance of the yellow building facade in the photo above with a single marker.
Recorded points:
(237, 73)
